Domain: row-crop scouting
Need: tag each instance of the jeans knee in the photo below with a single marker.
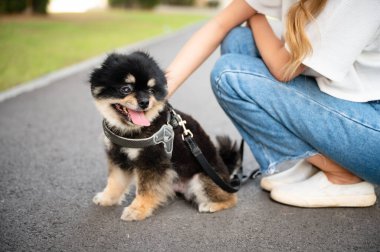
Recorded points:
(217, 71)
(222, 66)
(231, 43)
(232, 72)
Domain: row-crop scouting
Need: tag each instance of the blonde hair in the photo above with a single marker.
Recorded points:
(299, 15)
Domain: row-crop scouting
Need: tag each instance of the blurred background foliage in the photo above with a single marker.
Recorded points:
(40, 6)
(18, 6)
(179, 2)
(145, 4)
(33, 43)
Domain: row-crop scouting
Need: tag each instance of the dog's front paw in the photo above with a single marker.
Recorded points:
(135, 214)
(208, 207)
(103, 199)
(211, 207)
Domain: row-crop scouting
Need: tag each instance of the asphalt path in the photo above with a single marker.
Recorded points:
(52, 164)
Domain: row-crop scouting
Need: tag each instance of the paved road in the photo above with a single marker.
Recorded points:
(52, 163)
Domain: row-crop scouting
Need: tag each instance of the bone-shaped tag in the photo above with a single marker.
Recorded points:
(166, 136)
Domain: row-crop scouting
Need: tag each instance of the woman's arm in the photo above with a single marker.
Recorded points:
(204, 42)
(271, 48)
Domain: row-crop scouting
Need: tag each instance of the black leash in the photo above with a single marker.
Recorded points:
(234, 184)
(254, 174)
(237, 178)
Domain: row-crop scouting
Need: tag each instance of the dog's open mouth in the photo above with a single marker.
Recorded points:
(132, 116)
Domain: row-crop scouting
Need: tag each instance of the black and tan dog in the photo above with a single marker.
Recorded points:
(129, 91)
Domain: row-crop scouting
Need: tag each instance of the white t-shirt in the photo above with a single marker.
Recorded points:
(345, 38)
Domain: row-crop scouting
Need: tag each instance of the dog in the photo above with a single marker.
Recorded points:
(130, 93)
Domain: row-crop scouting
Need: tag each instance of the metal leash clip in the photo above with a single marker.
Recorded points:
(186, 131)
(179, 121)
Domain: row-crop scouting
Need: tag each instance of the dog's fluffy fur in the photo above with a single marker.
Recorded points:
(134, 83)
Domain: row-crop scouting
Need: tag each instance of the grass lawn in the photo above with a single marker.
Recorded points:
(33, 46)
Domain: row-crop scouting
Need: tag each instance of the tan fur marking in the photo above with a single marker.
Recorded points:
(117, 185)
(129, 101)
(151, 83)
(97, 90)
(156, 108)
(105, 109)
(132, 153)
(130, 79)
(208, 196)
(107, 143)
(141, 207)
(218, 206)
(150, 195)
(214, 192)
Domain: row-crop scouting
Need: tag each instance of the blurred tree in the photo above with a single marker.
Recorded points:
(12, 6)
(122, 3)
(39, 6)
(148, 4)
(213, 3)
(145, 4)
(179, 2)
(27, 6)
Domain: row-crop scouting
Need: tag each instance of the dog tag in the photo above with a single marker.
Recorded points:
(166, 136)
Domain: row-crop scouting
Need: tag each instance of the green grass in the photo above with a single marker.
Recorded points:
(33, 46)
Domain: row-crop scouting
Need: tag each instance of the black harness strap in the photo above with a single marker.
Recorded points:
(164, 135)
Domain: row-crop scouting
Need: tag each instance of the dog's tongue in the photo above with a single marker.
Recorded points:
(138, 117)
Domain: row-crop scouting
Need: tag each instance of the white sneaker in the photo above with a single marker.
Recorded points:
(318, 191)
(299, 172)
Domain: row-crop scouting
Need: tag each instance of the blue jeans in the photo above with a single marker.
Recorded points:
(295, 120)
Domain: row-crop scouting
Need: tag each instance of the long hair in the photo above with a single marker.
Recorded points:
(299, 15)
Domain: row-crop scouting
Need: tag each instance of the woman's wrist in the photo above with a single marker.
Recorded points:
(171, 83)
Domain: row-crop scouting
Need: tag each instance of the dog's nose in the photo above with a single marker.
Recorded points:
(144, 103)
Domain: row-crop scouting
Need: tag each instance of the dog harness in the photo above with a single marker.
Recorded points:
(164, 135)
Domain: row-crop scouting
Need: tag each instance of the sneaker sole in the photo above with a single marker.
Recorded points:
(337, 201)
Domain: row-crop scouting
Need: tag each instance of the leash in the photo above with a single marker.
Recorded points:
(254, 174)
(236, 181)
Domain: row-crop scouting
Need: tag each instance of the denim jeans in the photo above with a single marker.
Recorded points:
(294, 120)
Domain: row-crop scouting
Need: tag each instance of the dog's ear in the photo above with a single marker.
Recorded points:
(113, 59)
(101, 75)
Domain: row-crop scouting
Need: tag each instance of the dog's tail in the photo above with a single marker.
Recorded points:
(230, 154)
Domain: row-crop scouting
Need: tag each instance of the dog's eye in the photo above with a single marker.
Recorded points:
(151, 91)
(125, 90)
